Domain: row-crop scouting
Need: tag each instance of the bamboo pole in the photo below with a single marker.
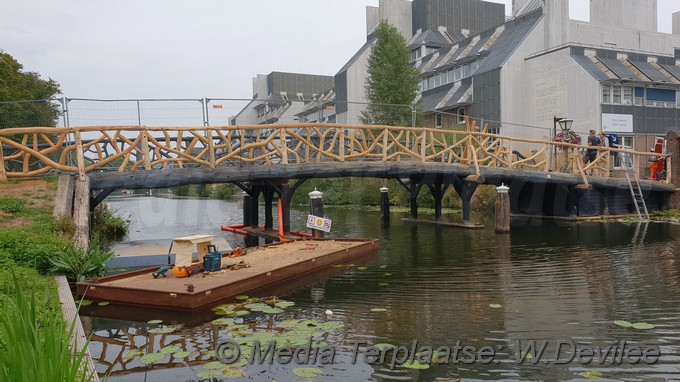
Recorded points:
(80, 155)
(3, 173)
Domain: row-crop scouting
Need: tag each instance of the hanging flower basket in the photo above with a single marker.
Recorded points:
(568, 136)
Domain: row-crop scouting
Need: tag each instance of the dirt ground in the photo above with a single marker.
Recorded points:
(36, 193)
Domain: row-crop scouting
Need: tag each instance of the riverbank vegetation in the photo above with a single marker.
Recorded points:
(669, 215)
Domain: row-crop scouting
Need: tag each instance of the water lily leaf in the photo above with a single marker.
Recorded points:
(257, 307)
(362, 268)
(152, 358)
(154, 322)
(495, 306)
(415, 365)
(85, 303)
(387, 274)
(232, 373)
(383, 284)
(331, 325)
(163, 330)
(272, 311)
(591, 374)
(224, 321)
(207, 374)
(209, 353)
(241, 313)
(170, 349)
(214, 365)
(642, 326)
(383, 266)
(622, 323)
(379, 310)
(104, 303)
(241, 297)
(181, 354)
(307, 372)
(133, 353)
(383, 346)
(284, 304)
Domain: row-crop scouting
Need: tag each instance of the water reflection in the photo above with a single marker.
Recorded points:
(553, 281)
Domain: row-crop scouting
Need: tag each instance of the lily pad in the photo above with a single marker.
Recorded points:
(331, 325)
(232, 373)
(224, 321)
(383, 266)
(387, 274)
(284, 304)
(383, 284)
(642, 326)
(85, 303)
(362, 268)
(623, 324)
(170, 349)
(214, 365)
(272, 311)
(240, 313)
(495, 306)
(591, 374)
(307, 372)
(257, 307)
(383, 346)
(241, 297)
(379, 310)
(133, 353)
(104, 303)
(154, 322)
(415, 365)
(207, 374)
(181, 354)
(163, 330)
(152, 358)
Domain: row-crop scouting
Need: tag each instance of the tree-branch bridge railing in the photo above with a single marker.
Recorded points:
(39, 151)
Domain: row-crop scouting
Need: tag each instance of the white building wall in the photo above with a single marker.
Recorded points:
(676, 23)
(616, 38)
(372, 18)
(356, 88)
(538, 85)
(631, 14)
(399, 14)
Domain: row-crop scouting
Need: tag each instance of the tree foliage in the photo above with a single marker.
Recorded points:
(17, 87)
(391, 80)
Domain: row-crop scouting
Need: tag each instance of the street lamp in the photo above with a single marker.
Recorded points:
(565, 124)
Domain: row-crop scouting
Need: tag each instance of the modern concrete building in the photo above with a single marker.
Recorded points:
(540, 65)
(278, 97)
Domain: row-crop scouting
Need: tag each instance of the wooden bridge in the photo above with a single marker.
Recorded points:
(261, 159)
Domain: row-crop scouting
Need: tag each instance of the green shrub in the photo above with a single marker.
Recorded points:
(107, 227)
(79, 265)
(33, 349)
(11, 205)
(224, 191)
(29, 249)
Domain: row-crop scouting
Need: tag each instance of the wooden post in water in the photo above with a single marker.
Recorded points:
(385, 203)
(502, 209)
(316, 209)
(247, 201)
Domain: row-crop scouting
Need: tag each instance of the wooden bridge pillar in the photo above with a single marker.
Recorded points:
(247, 202)
(465, 189)
(268, 214)
(255, 191)
(437, 190)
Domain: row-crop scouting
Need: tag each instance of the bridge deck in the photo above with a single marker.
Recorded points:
(268, 265)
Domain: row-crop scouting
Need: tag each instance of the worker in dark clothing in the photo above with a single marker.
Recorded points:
(593, 141)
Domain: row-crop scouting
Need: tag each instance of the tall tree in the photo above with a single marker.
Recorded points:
(391, 80)
(17, 87)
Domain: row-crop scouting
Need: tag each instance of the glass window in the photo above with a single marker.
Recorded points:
(606, 94)
(624, 142)
(616, 92)
(627, 96)
(466, 70)
(438, 120)
(437, 80)
(430, 83)
(461, 115)
(459, 73)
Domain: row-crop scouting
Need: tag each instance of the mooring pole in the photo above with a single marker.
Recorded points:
(502, 209)
(316, 209)
(247, 200)
(385, 203)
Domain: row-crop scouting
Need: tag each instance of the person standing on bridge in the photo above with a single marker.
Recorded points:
(593, 141)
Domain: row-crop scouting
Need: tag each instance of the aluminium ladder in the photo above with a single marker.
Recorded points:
(634, 186)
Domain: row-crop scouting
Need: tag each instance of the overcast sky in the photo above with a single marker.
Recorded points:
(183, 49)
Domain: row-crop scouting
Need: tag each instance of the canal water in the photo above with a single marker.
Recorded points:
(575, 287)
